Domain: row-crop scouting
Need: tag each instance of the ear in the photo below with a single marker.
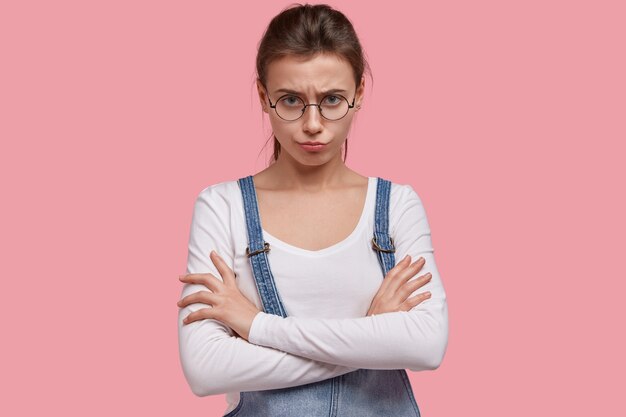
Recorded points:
(360, 93)
(262, 95)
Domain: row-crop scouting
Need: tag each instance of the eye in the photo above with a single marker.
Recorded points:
(291, 101)
(332, 100)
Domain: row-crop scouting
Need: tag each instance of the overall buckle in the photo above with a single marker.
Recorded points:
(379, 249)
(266, 248)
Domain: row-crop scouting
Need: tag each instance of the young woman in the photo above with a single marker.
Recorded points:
(307, 313)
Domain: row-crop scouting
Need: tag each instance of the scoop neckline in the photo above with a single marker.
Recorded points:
(274, 241)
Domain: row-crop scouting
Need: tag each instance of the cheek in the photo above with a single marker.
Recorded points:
(343, 128)
(282, 130)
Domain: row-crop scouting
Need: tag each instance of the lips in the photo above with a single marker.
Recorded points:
(312, 146)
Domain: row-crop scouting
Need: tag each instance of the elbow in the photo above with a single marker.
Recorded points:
(438, 348)
(204, 357)
(199, 390)
(435, 359)
(205, 376)
(201, 386)
(429, 355)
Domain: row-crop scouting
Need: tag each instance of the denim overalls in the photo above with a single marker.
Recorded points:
(360, 393)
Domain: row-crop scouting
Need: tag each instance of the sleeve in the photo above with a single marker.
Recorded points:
(415, 339)
(214, 360)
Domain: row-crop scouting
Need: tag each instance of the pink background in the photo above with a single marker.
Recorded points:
(508, 118)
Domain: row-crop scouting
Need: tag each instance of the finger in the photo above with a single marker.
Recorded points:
(205, 297)
(389, 279)
(393, 272)
(407, 274)
(415, 300)
(402, 264)
(204, 313)
(413, 285)
(208, 280)
(225, 272)
(415, 267)
(192, 277)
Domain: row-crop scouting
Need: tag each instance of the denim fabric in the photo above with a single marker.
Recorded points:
(361, 393)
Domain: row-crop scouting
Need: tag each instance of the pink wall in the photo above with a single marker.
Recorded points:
(508, 118)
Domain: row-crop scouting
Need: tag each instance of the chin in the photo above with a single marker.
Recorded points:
(311, 159)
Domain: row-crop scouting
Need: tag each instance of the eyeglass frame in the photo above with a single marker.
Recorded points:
(319, 106)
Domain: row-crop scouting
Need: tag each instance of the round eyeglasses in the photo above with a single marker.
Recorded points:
(332, 107)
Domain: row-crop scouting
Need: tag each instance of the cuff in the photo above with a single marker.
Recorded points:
(257, 328)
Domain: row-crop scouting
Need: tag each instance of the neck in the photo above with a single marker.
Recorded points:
(287, 173)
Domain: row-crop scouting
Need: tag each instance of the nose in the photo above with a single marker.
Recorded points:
(312, 118)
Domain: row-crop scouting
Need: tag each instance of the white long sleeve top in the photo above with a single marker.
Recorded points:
(326, 294)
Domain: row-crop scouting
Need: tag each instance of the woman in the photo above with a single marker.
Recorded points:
(307, 313)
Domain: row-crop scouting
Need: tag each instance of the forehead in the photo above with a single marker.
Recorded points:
(320, 73)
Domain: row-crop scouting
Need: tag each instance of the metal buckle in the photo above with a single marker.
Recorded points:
(266, 248)
(378, 248)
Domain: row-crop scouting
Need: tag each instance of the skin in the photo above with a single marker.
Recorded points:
(320, 179)
(229, 305)
(296, 168)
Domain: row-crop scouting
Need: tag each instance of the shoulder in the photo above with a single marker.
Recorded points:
(219, 194)
(401, 196)
(406, 207)
(217, 211)
(217, 202)
(401, 193)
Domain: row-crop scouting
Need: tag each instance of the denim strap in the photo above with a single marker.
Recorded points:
(257, 251)
(382, 242)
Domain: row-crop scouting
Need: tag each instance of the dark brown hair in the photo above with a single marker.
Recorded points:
(307, 30)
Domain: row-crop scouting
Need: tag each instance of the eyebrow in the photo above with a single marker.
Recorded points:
(332, 90)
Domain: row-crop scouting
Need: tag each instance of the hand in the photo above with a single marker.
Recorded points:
(228, 304)
(396, 287)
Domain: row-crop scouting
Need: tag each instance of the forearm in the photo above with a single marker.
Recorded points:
(215, 362)
(415, 339)
(395, 340)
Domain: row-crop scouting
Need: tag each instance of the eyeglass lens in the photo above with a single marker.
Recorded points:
(332, 107)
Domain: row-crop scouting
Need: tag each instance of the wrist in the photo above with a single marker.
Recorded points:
(246, 325)
(256, 329)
